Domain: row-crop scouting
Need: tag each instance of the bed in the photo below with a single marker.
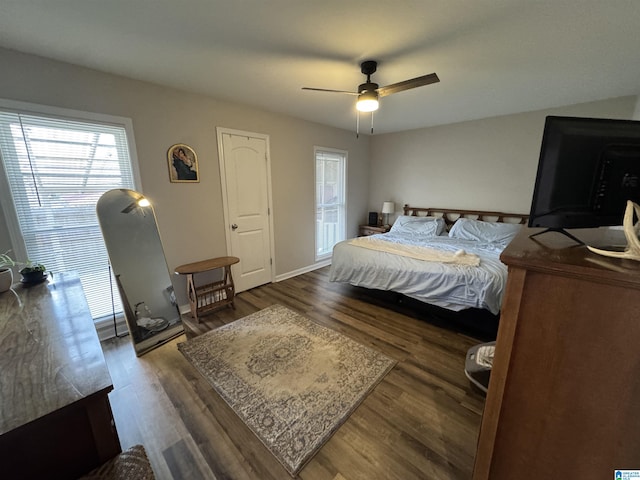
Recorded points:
(443, 257)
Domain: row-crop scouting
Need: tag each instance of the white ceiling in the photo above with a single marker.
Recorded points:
(493, 57)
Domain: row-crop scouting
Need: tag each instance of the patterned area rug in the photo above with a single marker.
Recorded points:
(292, 381)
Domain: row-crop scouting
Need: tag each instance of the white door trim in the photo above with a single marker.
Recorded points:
(223, 175)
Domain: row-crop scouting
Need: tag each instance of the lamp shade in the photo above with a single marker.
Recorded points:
(388, 207)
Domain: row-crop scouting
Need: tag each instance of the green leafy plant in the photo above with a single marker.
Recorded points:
(32, 267)
(6, 261)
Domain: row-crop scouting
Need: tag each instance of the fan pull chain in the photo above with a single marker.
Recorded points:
(371, 123)
(357, 123)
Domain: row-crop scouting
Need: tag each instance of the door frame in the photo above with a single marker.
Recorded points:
(223, 182)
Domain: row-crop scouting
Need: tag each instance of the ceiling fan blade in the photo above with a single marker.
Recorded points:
(331, 91)
(407, 84)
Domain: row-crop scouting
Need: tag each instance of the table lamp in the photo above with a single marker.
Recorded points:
(387, 208)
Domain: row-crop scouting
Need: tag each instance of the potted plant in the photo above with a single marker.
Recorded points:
(33, 272)
(6, 274)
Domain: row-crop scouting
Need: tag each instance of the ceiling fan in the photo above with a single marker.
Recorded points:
(369, 92)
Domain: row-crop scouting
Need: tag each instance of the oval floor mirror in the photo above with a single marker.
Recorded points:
(130, 232)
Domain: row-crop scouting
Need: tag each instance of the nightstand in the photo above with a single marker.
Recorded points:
(366, 230)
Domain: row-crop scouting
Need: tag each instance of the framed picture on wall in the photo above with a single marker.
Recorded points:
(183, 164)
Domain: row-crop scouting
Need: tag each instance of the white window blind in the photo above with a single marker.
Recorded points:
(330, 199)
(57, 169)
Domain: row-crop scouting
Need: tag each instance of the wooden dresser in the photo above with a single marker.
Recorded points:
(55, 416)
(564, 395)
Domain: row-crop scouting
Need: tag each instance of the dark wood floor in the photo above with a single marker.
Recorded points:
(420, 422)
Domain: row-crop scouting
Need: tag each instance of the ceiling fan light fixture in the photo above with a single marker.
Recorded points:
(367, 102)
(369, 92)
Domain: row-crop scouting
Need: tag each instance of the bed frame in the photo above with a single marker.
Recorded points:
(451, 215)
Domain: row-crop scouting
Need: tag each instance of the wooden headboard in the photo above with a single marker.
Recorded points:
(451, 215)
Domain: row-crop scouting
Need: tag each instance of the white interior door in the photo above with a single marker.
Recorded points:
(245, 174)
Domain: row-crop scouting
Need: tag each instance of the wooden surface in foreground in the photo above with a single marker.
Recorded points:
(420, 422)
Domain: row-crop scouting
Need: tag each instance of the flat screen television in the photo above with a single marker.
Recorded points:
(588, 169)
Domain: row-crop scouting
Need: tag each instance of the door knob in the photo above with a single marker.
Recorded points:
(234, 226)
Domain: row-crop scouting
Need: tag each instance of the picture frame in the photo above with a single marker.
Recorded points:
(183, 164)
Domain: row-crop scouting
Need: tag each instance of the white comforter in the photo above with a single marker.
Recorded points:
(447, 285)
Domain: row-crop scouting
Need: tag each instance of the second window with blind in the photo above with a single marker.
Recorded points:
(330, 168)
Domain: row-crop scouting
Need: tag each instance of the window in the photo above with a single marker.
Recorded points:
(331, 167)
(57, 169)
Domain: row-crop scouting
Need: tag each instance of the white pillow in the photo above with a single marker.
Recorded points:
(425, 226)
(468, 229)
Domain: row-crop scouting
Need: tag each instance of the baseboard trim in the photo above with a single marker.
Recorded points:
(300, 271)
(186, 309)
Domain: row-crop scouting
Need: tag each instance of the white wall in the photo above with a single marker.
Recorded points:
(190, 216)
(487, 164)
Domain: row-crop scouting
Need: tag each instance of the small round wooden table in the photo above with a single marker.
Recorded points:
(203, 299)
